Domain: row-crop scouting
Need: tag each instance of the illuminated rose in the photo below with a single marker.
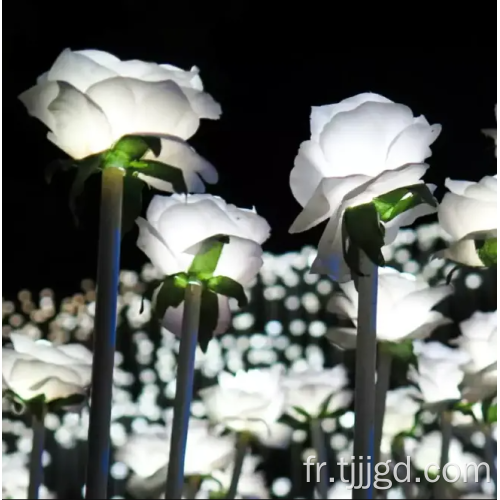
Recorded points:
(176, 226)
(89, 99)
(360, 148)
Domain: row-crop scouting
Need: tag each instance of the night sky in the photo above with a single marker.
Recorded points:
(266, 69)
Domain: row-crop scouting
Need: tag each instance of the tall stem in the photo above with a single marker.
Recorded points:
(239, 459)
(446, 431)
(184, 390)
(384, 365)
(364, 390)
(490, 449)
(36, 465)
(108, 270)
(319, 445)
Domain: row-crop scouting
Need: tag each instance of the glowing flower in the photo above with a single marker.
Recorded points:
(439, 373)
(310, 390)
(468, 213)
(147, 454)
(177, 225)
(404, 309)
(361, 148)
(247, 401)
(479, 341)
(34, 368)
(89, 99)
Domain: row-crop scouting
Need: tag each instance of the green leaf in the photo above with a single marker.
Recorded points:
(323, 410)
(161, 171)
(229, 288)
(400, 350)
(209, 317)
(362, 230)
(465, 408)
(56, 166)
(302, 412)
(85, 168)
(396, 202)
(489, 411)
(134, 147)
(171, 294)
(207, 257)
(491, 416)
(487, 251)
(62, 403)
(132, 202)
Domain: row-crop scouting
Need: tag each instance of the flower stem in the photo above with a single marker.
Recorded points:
(239, 458)
(364, 390)
(184, 390)
(384, 365)
(318, 443)
(490, 449)
(36, 465)
(108, 270)
(446, 431)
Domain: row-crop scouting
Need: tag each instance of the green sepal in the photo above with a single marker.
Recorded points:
(362, 230)
(396, 202)
(162, 171)
(132, 202)
(465, 408)
(37, 406)
(209, 317)
(323, 409)
(63, 403)
(84, 169)
(302, 412)
(487, 251)
(489, 411)
(228, 287)
(171, 294)
(401, 350)
(207, 257)
(130, 148)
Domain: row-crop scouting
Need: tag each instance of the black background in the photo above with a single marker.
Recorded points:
(266, 65)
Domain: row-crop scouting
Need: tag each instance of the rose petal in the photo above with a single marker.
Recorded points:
(78, 70)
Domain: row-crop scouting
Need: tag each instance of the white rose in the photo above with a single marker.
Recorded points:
(479, 341)
(468, 210)
(404, 308)
(89, 99)
(439, 372)
(30, 369)
(147, 454)
(247, 401)
(361, 148)
(175, 227)
(251, 484)
(309, 390)
(401, 407)
(428, 451)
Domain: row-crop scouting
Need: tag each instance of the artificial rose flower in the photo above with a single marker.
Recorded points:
(427, 452)
(34, 368)
(251, 484)
(479, 341)
(404, 309)
(247, 401)
(361, 148)
(310, 389)
(439, 373)
(147, 454)
(89, 99)
(468, 212)
(176, 226)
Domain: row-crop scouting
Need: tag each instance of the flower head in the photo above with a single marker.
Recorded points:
(89, 99)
